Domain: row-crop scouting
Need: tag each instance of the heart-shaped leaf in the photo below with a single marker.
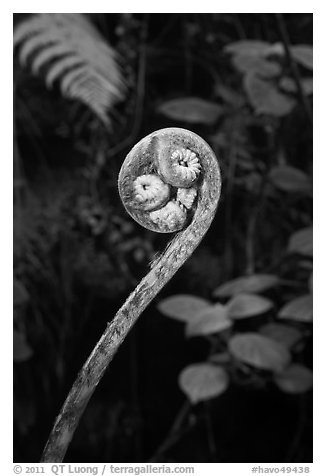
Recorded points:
(259, 351)
(248, 305)
(265, 97)
(295, 379)
(302, 242)
(255, 283)
(183, 307)
(290, 179)
(300, 309)
(192, 110)
(209, 321)
(286, 335)
(203, 381)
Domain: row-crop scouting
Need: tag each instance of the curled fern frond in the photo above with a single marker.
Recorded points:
(169, 182)
(69, 49)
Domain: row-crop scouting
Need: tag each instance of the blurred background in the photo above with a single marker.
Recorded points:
(219, 367)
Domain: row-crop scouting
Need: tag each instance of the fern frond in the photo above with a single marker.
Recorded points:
(69, 49)
(64, 63)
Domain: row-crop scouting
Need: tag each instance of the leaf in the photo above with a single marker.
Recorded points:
(303, 54)
(192, 110)
(21, 349)
(247, 284)
(300, 309)
(295, 379)
(289, 85)
(259, 351)
(247, 47)
(290, 179)
(203, 381)
(247, 305)
(258, 65)
(265, 98)
(65, 61)
(183, 307)
(68, 48)
(209, 321)
(286, 335)
(302, 242)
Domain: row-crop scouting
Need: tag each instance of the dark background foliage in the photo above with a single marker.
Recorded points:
(77, 255)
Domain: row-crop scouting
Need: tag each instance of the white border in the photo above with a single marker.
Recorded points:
(319, 467)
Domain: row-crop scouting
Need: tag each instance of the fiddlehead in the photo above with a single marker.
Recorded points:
(170, 181)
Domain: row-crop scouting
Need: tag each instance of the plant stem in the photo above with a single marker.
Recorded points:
(251, 228)
(228, 251)
(298, 433)
(294, 68)
(174, 433)
(210, 433)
